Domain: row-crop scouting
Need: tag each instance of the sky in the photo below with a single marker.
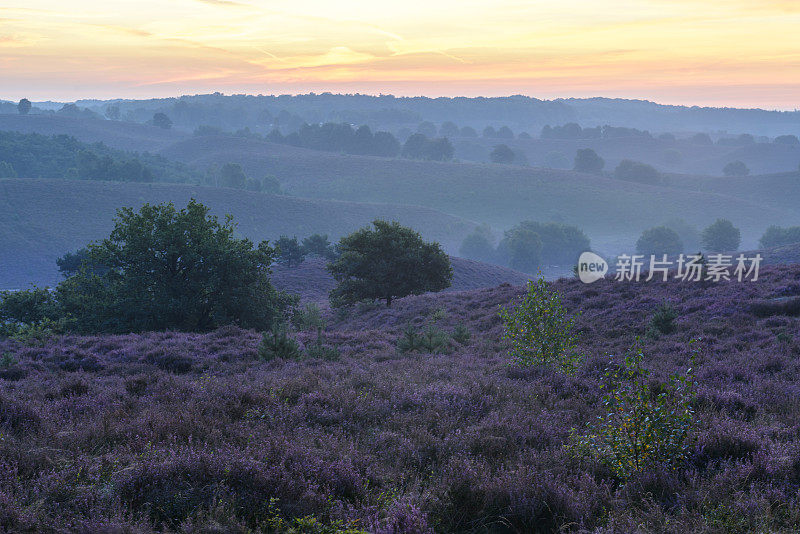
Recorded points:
(742, 53)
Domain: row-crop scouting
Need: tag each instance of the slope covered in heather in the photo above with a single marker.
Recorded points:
(141, 432)
(312, 282)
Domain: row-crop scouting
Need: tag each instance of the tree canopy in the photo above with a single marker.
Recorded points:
(386, 262)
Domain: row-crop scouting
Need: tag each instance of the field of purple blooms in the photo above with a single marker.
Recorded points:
(193, 433)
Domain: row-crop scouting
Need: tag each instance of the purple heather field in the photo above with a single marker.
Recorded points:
(193, 433)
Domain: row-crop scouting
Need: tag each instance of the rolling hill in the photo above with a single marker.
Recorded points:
(40, 220)
(501, 195)
(115, 134)
(312, 282)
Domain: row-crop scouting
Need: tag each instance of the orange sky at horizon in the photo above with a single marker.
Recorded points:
(742, 53)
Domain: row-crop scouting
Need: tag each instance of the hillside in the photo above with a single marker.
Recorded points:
(312, 282)
(501, 195)
(98, 430)
(40, 220)
(129, 136)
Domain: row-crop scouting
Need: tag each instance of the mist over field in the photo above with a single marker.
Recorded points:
(346, 268)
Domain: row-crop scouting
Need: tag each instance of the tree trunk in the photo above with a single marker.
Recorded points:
(388, 301)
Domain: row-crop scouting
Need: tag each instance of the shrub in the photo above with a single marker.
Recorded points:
(410, 340)
(432, 340)
(735, 168)
(662, 321)
(278, 344)
(309, 317)
(461, 334)
(635, 171)
(642, 425)
(540, 331)
(502, 154)
(31, 306)
(7, 360)
(721, 236)
(320, 351)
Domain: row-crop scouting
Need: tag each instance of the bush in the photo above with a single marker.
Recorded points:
(662, 321)
(432, 340)
(642, 426)
(461, 334)
(540, 331)
(502, 154)
(635, 171)
(659, 240)
(278, 344)
(721, 236)
(320, 351)
(31, 306)
(289, 251)
(735, 168)
(562, 244)
(309, 317)
(479, 245)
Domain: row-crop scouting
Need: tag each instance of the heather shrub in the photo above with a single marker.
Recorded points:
(278, 344)
(170, 362)
(540, 331)
(309, 317)
(642, 425)
(662, 321)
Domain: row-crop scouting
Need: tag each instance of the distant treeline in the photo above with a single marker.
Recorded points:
(574, 131)
(64, 157)
(340, 137)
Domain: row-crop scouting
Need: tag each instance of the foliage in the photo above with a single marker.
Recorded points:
(335, 137)
(775, 236)
(431, 340)
(386, 262)
(320, 351)
(161, 120)
(587, 160)
(502, 154)
(232, 175)
(289, 251)
(170, 269)
(735, 168)
(636, 171)
(659, 240)
(663, 319)
(309, 317)
(523, 249)
(478, 245)
(318, 245)
(540, 331)
(562, 244)
(641, 426)
(24, 106)
(64, 157)
(418, 146)
(461, 334)
(721, 236)
(30, 306)
(277, 344)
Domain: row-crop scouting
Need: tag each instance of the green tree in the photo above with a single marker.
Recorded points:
(635, 171)
(162, 121)
(386, 262)
(289, 251)
(479, 245)
(775, 236)
(232, 175)
(659, 240)
(7, 170)
(24, 106)
(501, 154)
(523, 248)
(721, 236)
(173, 269)
(735, 168)
(318, 245)
(587, 160)
(540, 331)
